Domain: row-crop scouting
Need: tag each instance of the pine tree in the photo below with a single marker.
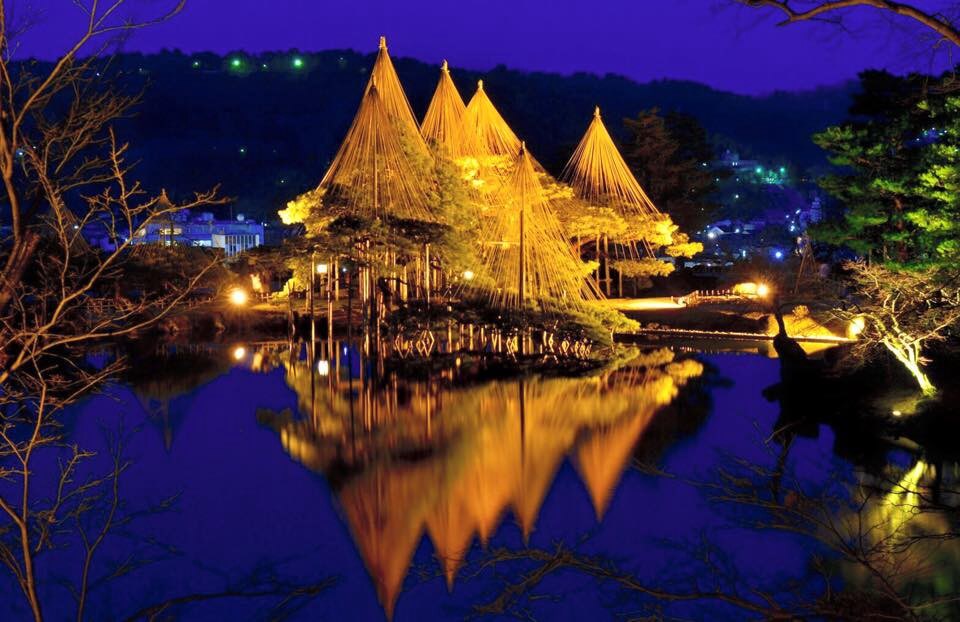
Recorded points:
(667, 155)
(899, 178)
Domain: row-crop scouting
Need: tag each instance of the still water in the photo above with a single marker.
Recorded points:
(266, 482)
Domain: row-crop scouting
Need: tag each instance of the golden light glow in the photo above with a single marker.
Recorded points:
(322, 268)
(468, 275)
(239, 296)
(239, 352)
(857, 325)
(323, 367)
(763, 290)
(745, 289)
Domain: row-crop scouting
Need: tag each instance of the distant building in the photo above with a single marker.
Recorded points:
(233, 236)
(731, 160)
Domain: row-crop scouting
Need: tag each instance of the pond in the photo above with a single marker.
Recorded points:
(263, 481)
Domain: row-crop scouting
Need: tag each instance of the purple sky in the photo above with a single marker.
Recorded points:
(709, 41)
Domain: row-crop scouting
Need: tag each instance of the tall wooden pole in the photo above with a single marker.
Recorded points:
(313, 272)
(330, 275)
(523, 248)
(426, 271)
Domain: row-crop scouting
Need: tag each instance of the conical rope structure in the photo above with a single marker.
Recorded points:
(526, 256)
(444, 126)
(372, 175)
(385, 77)
(599, 175)
(494, 137)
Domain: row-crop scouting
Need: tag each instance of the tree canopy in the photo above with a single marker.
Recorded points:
(666, 153)
(898, 176)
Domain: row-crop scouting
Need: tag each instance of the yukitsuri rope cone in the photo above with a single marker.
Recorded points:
(372, 175)
(444, 126)
(598, 175)
(525, 253)
(384, 76)
(483, 120)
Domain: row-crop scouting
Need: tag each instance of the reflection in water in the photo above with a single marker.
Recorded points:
(158, 380)
(457, 459)
(909, 537)
(410, 458)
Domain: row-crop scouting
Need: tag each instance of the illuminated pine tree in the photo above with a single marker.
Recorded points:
(527, 260)
(617, 210)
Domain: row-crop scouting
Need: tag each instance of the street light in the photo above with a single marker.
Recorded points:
(239, 296)
(239, 352)
(468, 275)
(763, 290)
(322, 268)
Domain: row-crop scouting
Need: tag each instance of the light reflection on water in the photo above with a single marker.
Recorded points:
(430, 457)
(400, 484)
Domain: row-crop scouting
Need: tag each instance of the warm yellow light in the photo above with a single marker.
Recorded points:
(238, 296)
(763, 290)
(857, 325)
(322, 268)
(323, 367)
(239, 352)
(468, 275)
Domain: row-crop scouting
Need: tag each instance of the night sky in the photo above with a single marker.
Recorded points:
(709, 41)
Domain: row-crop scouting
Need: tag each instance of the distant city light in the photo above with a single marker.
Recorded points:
(711, 235)
(468, 275)
(243, 149)
(297, 62)
(783, 170)
(778, 254)
(763, 290)
(736, 196)
(239, 352)
(196, 64)
(759, 170)
(236, 63)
